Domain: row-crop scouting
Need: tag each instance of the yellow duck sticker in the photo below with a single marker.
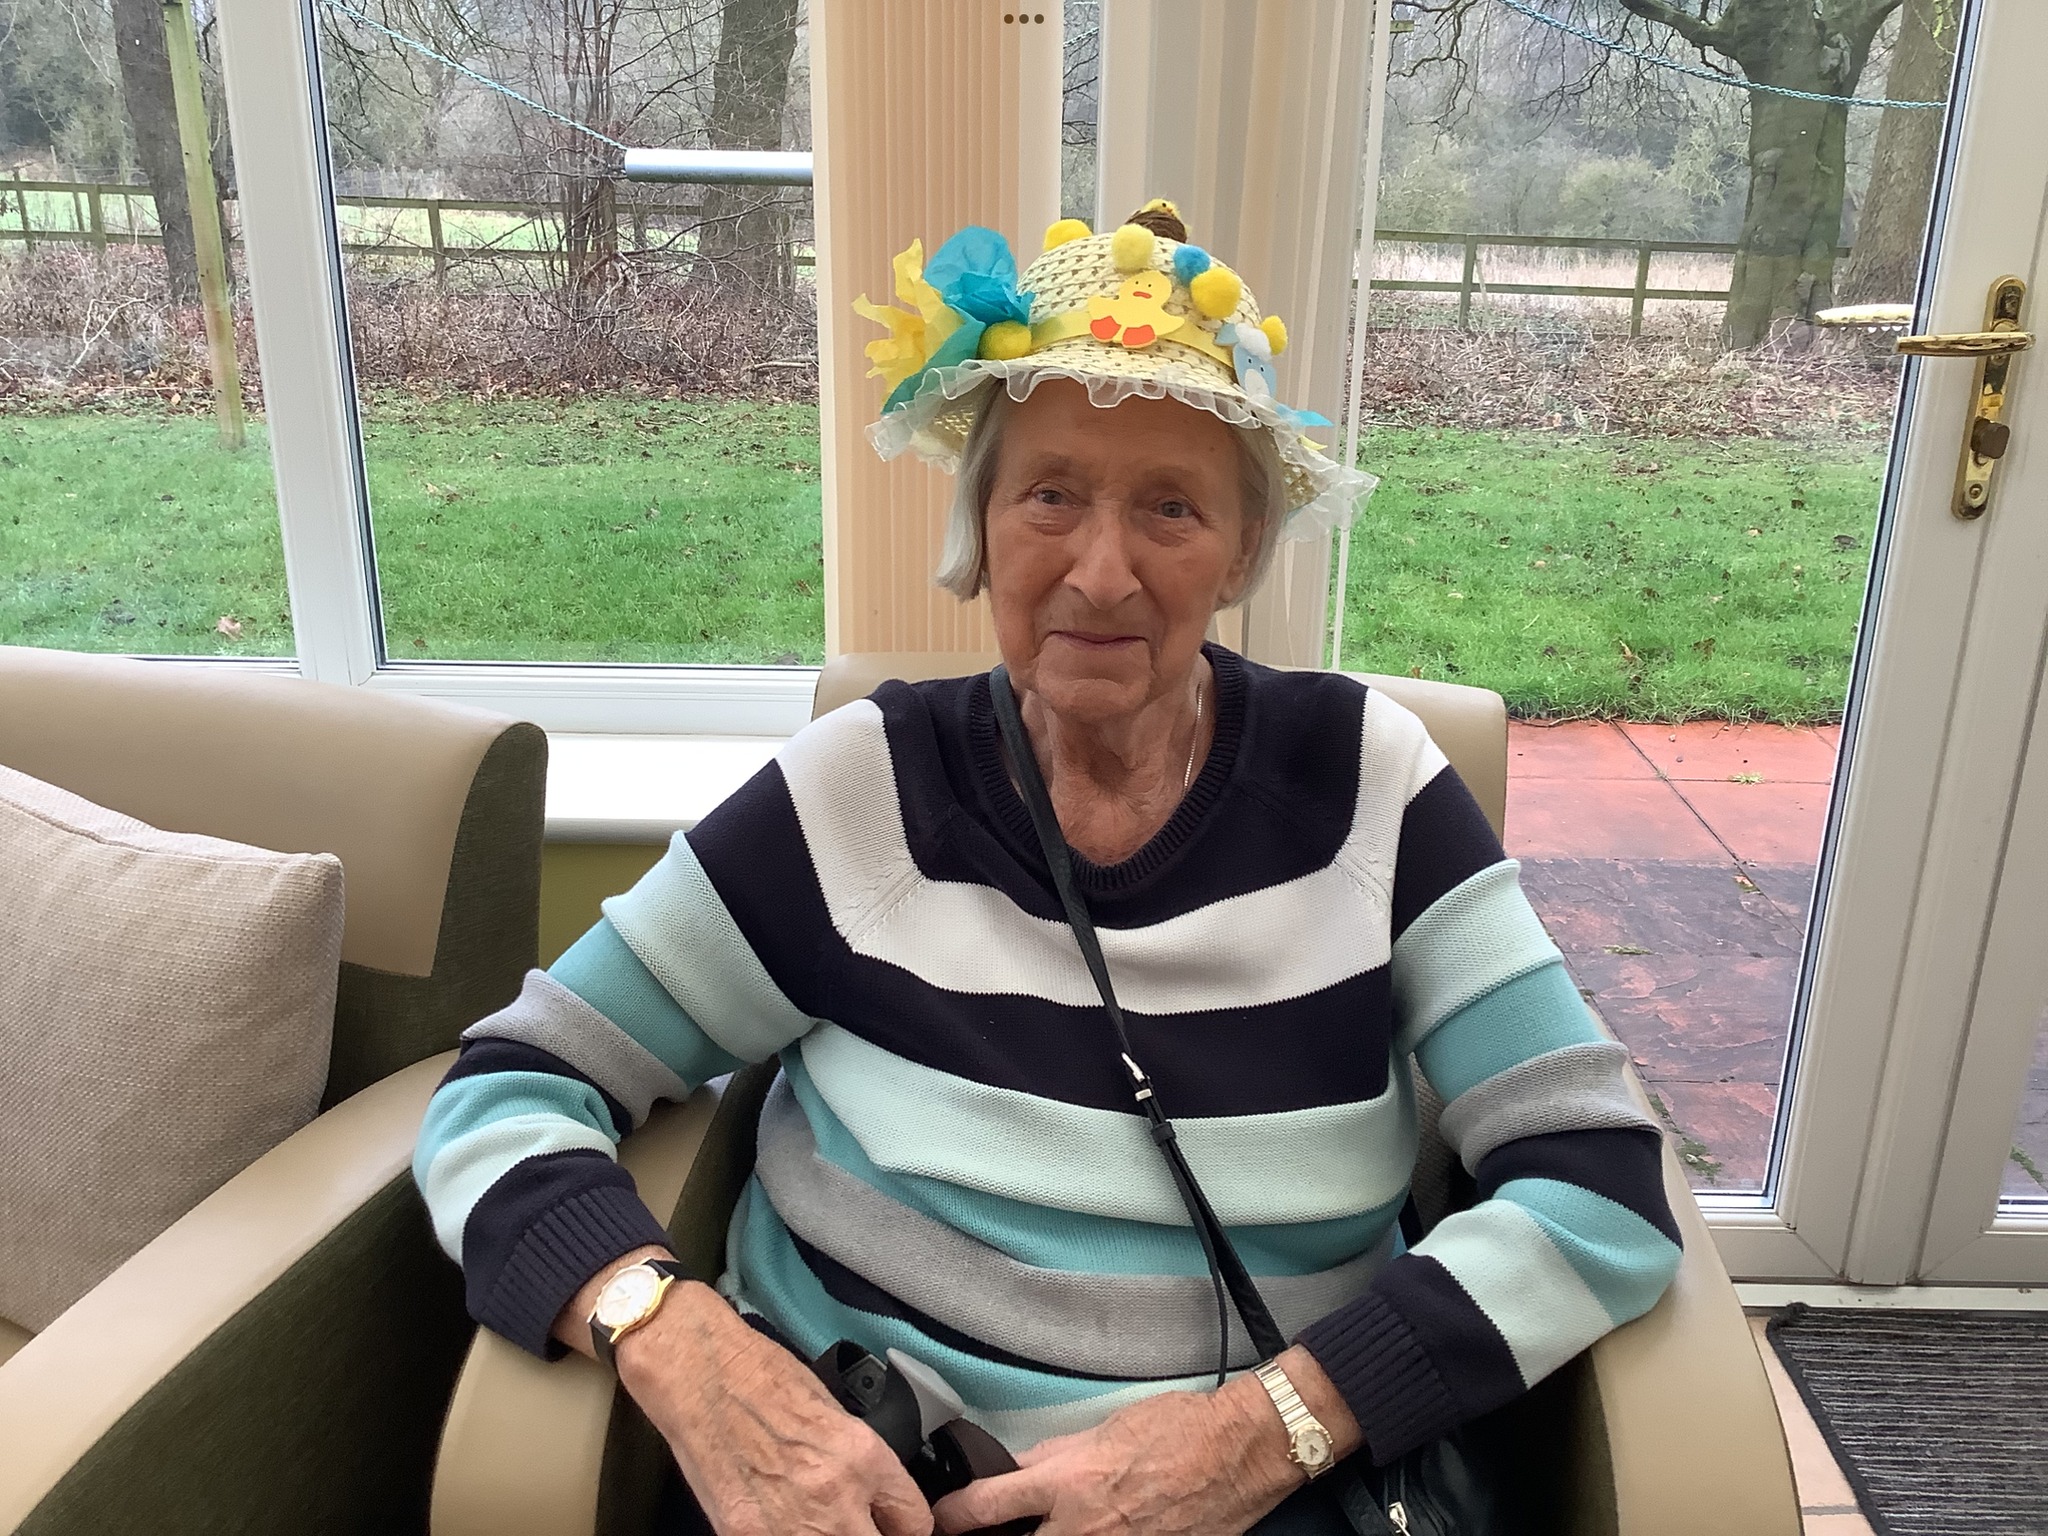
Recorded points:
(1137, 316)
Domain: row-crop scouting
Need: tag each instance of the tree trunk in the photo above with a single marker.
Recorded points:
(153, 119)
(1785, 255)
(1884, 266)
(743, 232)
(589, 189)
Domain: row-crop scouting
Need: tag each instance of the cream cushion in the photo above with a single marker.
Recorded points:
(166, 1009)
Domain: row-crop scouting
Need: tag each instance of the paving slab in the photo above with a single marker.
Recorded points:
(1573, 749)
(1727, 749)
(1566, 818)
(1771, 823)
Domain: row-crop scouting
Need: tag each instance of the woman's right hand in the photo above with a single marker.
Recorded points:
(762, 1444)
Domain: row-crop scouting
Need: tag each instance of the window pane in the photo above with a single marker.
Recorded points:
(2026, 1167)
(130, 517)
(589, 407)
(1627, 484)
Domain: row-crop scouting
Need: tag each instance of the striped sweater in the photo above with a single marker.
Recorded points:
(950, 1164)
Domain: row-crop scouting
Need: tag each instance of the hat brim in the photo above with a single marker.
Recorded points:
(1322, 495)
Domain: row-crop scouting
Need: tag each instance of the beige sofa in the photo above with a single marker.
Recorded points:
(1666, 1427)
(280, 1359)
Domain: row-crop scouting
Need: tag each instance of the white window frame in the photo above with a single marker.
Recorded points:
(276, 116)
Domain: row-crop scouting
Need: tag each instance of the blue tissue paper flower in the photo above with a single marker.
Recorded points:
(976, 275)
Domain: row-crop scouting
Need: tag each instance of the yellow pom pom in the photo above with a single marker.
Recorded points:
(1131, 247)
(1276, 332)
(1216, 292)
(1060, 231)
(1007, 340)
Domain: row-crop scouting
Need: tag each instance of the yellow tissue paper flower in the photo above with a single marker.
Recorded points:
(913, 336)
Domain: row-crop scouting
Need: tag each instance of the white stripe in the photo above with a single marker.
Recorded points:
(1473, 937)
(464, 1170)
(1573, 1088)
(1297, 1165)
(678, 926)
(1515, 1275)
(1266, 946)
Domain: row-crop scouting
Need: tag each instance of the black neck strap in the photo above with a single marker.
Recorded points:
(1226, 1269)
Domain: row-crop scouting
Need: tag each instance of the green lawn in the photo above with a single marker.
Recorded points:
(1574, 574)
(1589, 575)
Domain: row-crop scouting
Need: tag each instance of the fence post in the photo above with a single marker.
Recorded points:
(28, 234)
(434, 235)
(1465, 282)
(98, 215)
(1635, 314)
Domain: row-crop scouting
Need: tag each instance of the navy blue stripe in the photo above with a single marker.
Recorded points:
(489, 1054)
(851, 1289)
(1330, 1047)
(540, 1232)
(1462, 1343)
(1445, 840)
(752, 847)
(1625, 1165)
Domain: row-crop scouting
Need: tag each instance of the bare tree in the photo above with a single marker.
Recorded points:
(1885, 261)
(590, 213)
(743, 231)
(153, 119)
(1785, 255)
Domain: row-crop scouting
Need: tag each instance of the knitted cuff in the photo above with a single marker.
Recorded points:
(563, 1247)
(1378, 1366)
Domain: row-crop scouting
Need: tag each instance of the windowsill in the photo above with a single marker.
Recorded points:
(643, 789)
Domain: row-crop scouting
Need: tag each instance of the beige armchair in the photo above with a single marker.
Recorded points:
(281, 1357)
(1666, 1427)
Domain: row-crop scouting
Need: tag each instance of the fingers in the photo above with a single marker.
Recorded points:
(993, 1500)
(897, 1508)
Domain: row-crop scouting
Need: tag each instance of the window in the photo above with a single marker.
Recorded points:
(137, 511)
(587, 406)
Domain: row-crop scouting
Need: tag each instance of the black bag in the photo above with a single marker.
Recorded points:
(1434, 1490)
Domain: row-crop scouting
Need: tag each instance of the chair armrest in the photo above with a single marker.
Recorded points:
(206, 1326)
(1678, 1432)
(523, 1451)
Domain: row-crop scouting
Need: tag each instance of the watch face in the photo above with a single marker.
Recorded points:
(627, 1296)
(1312, 1448)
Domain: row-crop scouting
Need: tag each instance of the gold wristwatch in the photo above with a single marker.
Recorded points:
(629, 1300)
(1308, 1444)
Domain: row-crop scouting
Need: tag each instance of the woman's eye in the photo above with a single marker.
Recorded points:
(1175, 509)
(1047, 496)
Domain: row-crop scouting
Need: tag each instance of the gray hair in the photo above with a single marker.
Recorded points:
(963, 561)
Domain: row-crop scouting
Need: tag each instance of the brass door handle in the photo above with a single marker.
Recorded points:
(1966, 344)
(1989, 434)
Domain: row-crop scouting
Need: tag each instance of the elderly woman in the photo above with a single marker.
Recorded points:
(1295, 895)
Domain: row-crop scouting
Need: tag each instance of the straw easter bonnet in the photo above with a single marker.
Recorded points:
(1138, 311)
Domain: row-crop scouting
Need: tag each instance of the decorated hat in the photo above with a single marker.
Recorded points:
(1137, 311)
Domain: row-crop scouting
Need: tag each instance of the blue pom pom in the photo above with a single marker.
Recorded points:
(1189, 263)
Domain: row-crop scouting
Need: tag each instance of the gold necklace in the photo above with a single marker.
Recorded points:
(1188, 777)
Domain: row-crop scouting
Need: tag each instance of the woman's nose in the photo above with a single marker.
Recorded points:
(1102, 571)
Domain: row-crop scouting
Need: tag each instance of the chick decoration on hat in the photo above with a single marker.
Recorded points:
(1138, 311)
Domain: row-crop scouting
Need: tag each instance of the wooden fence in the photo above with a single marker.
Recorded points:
(89, 200)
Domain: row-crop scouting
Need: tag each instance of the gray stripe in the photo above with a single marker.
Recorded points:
(549, 1016)
(1575, 1088)
(1104, 1325)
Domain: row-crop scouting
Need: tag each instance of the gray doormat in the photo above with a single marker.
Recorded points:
(1939, 1419)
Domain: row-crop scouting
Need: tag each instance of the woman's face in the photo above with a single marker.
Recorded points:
(1112, 536)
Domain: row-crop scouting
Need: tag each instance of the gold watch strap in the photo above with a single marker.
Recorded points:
(1296, 1418)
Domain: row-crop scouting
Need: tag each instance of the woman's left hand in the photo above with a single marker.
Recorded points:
(1179, 1464)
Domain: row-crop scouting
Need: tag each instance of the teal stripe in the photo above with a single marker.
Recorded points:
(1624, 1261)
(468, 1103)
(1538, 1012)
(774, 1279)
(1071, 1240)
(602, 969)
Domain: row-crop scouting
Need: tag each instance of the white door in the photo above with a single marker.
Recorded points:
(1928, 971)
